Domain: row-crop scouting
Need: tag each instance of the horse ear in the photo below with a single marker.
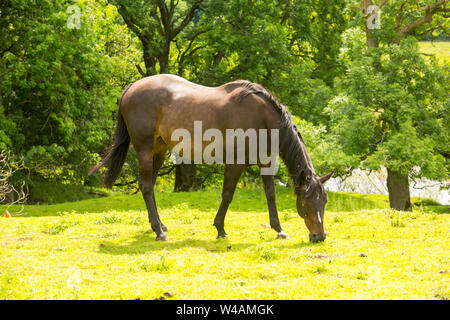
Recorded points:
(326, 177)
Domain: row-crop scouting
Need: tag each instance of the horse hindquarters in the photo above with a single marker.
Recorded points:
(141, 112)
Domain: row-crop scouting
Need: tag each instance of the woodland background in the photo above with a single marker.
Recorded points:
(362, 97)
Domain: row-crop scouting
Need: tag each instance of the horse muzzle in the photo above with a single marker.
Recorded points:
(317, 237)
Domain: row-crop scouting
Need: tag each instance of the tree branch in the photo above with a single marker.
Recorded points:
(188, 18)
(430, 10)
(129, 22)
(123, 184)
(399, 18)
(165, 17)
(141, 72)
(160, 174)
(182, 56)
(382, 3)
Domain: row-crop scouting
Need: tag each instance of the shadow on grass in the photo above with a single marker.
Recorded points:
(430, 205)
(145, 242)
(439, 209)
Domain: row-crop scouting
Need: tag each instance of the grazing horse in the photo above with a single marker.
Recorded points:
(151, 109)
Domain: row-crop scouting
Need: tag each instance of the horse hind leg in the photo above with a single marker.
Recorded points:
(146, 185)
(159, 156)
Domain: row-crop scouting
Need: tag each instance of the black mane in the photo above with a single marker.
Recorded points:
(292, 147)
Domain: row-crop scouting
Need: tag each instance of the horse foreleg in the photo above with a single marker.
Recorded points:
(231, 177)
(146, 185)
(269, 189)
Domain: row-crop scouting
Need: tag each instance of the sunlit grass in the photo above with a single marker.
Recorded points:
(103, 249)
(441, 49)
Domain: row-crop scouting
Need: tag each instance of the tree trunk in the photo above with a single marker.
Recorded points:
(185, 177)
(149, 61)
(398, 188)
(164, 59)
(371, 41)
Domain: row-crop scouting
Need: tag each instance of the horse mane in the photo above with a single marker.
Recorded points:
(292, 147)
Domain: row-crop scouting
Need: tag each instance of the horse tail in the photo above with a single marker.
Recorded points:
(117, 152)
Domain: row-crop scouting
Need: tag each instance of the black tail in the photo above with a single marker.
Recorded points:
(117, 153)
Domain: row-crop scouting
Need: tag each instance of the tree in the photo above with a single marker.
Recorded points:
(157, 24)
(315, 28)
(393, 109)
(53, 84)
(401, 19)
(290, 47)
(59, 85)
(8, 192)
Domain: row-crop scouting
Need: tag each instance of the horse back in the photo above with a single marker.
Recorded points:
(156, 106)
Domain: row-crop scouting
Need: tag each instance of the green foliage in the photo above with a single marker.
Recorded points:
(392, 109)
(109, 219)
(266, 252)
(60, 226)
(283, 45)
(60, 85)
(397, 16)
(44, 191)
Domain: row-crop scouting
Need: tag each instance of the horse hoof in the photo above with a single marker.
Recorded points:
(164, 228)
(161, 237)
(282, 235)
(221, 236)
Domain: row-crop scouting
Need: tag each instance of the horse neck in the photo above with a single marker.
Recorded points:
(293, 152)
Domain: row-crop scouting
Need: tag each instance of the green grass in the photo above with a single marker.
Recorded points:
(245, 199)
(441, 49)
(103, 249)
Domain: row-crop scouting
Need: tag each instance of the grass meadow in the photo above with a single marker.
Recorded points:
(104, 249)
(440, 49)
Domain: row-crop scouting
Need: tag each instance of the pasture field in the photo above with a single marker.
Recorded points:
(103, 249)
(441, 49)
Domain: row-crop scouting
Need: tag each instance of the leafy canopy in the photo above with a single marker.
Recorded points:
(392, 109)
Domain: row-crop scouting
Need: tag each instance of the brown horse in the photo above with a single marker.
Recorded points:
(151, 109)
